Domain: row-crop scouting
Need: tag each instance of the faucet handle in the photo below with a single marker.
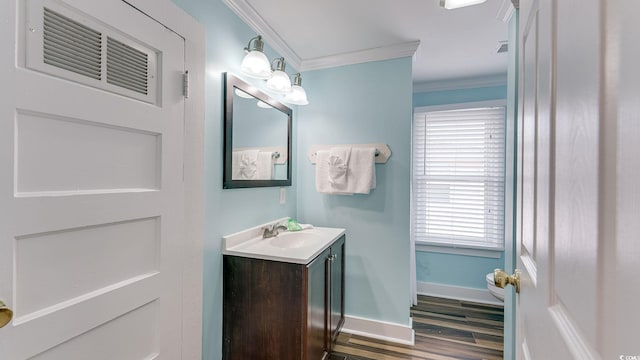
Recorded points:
(268, 230)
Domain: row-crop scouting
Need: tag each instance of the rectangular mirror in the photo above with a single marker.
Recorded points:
(257, 137)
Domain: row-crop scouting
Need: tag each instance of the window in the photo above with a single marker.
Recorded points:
(458, 178)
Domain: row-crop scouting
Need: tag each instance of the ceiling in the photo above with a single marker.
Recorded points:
(447, 45)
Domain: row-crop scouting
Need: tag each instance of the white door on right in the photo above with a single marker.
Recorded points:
(578, 209)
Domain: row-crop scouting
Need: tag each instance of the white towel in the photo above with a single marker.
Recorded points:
(361, 174)
(338, 167)
(362, 171)
(264, 165)
(322, 172)
(243, 164)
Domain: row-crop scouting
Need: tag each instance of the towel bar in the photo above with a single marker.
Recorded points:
(382, 154)
(279, 153)
(377, 153)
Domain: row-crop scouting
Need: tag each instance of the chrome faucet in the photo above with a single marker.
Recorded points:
(272, 230)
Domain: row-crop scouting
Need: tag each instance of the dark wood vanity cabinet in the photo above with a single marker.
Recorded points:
(283, 311)
(335, 294)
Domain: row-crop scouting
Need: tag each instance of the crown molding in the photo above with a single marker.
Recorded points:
(252, 18)
(457, 84)
(361, 56)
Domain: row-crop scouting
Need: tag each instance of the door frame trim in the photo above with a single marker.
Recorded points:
(176, 19)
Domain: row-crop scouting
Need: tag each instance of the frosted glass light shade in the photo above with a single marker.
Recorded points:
(264, 105)
(279, 82)
(454, 4)
(243, 94)
(256, 65)
(297, 96)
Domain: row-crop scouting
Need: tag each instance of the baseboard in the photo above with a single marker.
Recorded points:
(458, 293)
(381, 330)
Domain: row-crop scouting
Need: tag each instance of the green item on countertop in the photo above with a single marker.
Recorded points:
(292, 225)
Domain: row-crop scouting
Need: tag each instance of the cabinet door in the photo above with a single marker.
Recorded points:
(336, 301)
(316, 337)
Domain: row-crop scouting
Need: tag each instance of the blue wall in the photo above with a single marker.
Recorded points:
(456, 270)
(226, 211)
(459, 96)
(449, 269)
(364, 103)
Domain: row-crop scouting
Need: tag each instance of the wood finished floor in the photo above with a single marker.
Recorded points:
(444, 330)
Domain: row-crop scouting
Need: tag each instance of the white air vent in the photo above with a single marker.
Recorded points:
(71, 46)
(126, 66)
(75, 46)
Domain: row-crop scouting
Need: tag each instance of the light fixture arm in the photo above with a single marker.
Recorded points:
(297, 79)
(280, 64)
(258, 44)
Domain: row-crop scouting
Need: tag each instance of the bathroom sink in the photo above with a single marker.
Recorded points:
(293, 240)
(298, 247)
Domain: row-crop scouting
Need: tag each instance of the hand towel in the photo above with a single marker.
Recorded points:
(264, 165)
(338, 167)
(322, 172)
(362, 171)
(243, 164)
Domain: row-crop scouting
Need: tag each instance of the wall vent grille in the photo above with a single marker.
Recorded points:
(127, 67)
(71, 46)
(503, 47)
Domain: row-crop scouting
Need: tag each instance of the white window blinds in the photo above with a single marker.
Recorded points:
(458, 177)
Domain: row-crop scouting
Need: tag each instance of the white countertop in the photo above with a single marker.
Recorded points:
(299, 247)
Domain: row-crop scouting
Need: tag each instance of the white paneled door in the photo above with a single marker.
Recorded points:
(578, 196)
(91, 182)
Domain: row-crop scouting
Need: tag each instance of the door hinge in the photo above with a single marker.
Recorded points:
(185, 84)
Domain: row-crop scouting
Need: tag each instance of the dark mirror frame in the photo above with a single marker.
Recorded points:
(230, 83)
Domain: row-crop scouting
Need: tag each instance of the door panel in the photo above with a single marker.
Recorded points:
(48, 160)
(623, 175)
(562, 309)
(336, 311)
(131, 336)
(316, 306)
(528, 123)
(91, 210)
(576, 265)
(43, 280)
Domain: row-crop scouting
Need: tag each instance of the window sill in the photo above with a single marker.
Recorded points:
(487, 253)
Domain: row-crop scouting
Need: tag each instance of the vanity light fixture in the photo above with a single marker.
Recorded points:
(454, 4)
(255, 64)
(297, 96)
(279, 81)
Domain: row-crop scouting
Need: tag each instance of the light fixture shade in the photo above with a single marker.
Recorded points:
(454, 4)
(264, 105)
(243, 94)
(279, 82)
(297, 96)
(255, 64)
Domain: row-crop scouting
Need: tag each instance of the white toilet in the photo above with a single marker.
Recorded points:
(493, 289)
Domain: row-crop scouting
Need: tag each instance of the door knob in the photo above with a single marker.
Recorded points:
(502, 279)
(6, 314)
